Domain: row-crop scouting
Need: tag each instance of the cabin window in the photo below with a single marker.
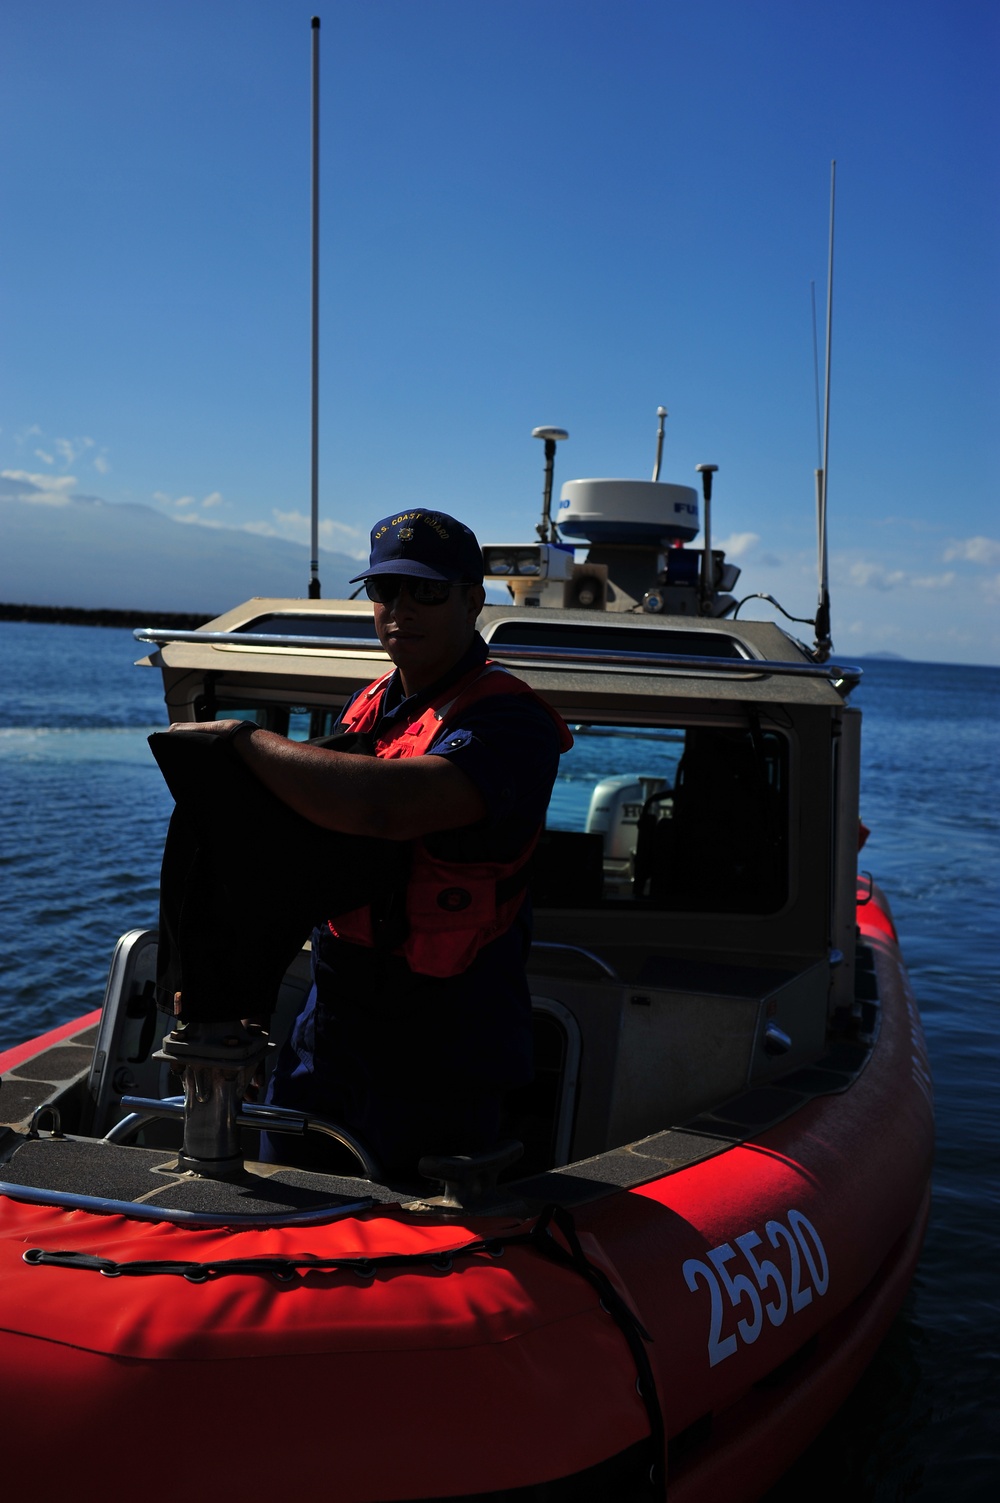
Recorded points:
(300, 721)
(688, 819)
(297, 722)
(602, 635)
(359, 627)
(256, 714)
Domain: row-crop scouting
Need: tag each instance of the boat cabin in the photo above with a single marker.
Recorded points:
(694, 887)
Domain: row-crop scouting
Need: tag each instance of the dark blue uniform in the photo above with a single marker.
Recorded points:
(415, 1064)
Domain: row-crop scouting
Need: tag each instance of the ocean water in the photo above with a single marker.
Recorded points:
(83, 813)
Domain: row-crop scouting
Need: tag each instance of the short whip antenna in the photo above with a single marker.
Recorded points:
(823, 642)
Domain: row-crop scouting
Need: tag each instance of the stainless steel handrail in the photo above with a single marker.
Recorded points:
(602, 965)
(163, 635)
(611, 658)
(600, 657)
(261, 1117)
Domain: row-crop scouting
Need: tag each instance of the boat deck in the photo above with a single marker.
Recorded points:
(46, 1165)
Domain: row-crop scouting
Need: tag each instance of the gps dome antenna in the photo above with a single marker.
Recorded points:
(552, 436)
(662, 414)
(314, 585)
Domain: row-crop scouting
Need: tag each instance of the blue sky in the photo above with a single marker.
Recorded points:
(556, 212)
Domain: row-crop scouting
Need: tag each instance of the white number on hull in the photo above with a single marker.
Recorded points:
(804, 1244)
(719, 1346)
(765, 1273)
(778, 1232)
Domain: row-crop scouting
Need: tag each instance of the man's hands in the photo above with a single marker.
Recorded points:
(220, 727)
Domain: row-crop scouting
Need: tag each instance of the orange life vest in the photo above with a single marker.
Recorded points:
(453, 908)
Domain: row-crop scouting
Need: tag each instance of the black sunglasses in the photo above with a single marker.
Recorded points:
(386, 588)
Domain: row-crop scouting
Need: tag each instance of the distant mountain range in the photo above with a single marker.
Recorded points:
(97, 555)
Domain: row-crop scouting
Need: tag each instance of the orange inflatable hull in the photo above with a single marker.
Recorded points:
(439, 1358)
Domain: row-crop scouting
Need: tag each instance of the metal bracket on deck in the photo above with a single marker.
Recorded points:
(216, 1063)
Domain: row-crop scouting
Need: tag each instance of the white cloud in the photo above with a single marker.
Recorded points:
(295, 527)
(977, 550)
(914, 524)
(875, 634)
(197, 519)
(65, 452)
(43, 490)
(867, 576)
(934, 581)
(351, 540)
(738, 544)
(214, 498)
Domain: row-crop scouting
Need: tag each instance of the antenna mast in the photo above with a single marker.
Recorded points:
(552, 436)
(314, 586)
(823, 642)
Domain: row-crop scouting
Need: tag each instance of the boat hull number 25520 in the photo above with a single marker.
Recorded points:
(809, 1271)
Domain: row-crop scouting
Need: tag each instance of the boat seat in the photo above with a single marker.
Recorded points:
(717, 843)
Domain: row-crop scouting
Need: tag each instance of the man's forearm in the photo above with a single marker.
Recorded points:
(397, 799)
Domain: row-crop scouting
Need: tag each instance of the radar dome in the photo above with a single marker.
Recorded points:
(641, 512)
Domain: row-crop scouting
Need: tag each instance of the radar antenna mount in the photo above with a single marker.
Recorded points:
(551, 436)
(706, 471)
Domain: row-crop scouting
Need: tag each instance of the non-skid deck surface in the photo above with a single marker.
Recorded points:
(149, 1178)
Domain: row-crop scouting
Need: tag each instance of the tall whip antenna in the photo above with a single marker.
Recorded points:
(823, 642)
(314, 586)
(819, 428)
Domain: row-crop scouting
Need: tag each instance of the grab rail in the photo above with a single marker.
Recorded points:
(602, 965)
(596, 657)
(602, 657)
(162, 635)
(263, 1117)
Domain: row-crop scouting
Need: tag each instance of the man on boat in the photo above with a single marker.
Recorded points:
(419, 1019)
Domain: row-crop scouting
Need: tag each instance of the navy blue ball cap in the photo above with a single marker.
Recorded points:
(425, 545)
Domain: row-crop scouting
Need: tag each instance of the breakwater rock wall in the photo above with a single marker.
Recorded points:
(68, 615)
